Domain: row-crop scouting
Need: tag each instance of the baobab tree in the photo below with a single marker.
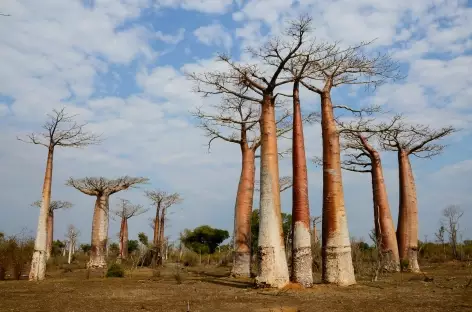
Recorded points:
(406, 140)
(237, 121)
(125, 211)
(72, 234)
(102, 188)
(362, 156)
(60, 131)
(248, 82)
(53, 206)
(330, 68)
(162, 201)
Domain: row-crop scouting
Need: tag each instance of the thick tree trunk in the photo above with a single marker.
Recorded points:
(273, 270)
(407, 231)
(242, 216)
(124, 238)
(38, 262)
(385, 230)
(50, 234)
(160, 247)
(155, 240)
(336, 247)
(301, 244)
(99, 233)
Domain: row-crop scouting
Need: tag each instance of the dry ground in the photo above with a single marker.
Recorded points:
(208, 289)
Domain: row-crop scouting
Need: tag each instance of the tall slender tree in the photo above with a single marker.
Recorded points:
(125, 211)
(102, 189)
(53, 206)
(237, 121)
(260, 88)
(333, 67)
(417, 140)
(61, 130)
(362, 156)
(72, 234)
(162, 201)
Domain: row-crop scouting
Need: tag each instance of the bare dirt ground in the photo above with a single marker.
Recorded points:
(209, 289)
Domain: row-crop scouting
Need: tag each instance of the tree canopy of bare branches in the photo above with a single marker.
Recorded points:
(450, 224)
(126, 210)
(96, 186)
(54, 205)
(62, 130)
(417, 140)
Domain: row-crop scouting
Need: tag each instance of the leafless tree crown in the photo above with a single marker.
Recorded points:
(62, 130)
(126, 210)
(96, 186)
(416, 139)
(163, 200)
(54, 205)
(72, 233)
(249, 81)
(332, 66)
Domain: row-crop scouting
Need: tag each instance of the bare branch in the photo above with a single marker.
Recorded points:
(96, 186)
(54, 205)
(416, 139)
(285, 183)
(62, 130)
(126, 210)
(162, 199)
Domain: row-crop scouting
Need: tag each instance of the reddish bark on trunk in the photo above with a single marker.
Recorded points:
(385, 230)
(242, 219)
(336, 249)
(160, 245)
(407, 229)
(124, 238)
(301, 245)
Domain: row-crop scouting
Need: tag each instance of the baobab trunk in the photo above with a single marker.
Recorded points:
(407, 231)
(385, 231)
(50, 233)
(124, 239)
(70, 252)
(161, 238)
(336, 248)
(99, 233)
(242, 219)
(301, 243)
(273, 270)
(38, 263)
(155, 241)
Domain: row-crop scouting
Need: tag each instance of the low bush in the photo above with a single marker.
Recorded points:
(115, 270)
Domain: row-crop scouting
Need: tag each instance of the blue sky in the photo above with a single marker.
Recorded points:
(120, 65)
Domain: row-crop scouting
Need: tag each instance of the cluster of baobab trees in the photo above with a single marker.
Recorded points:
(252, 114)
(61, 130)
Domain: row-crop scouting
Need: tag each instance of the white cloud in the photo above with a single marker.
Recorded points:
(174, 39)
(214, 34)
(205, 6)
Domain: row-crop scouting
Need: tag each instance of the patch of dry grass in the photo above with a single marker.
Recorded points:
(209, 289)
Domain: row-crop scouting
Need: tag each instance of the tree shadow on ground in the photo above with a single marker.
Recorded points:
(229, 283)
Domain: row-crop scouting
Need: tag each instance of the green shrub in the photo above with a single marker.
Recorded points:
(115, 270)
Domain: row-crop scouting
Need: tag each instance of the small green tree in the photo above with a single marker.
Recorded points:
(204, 239)
(143, 238)
(133, 245)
